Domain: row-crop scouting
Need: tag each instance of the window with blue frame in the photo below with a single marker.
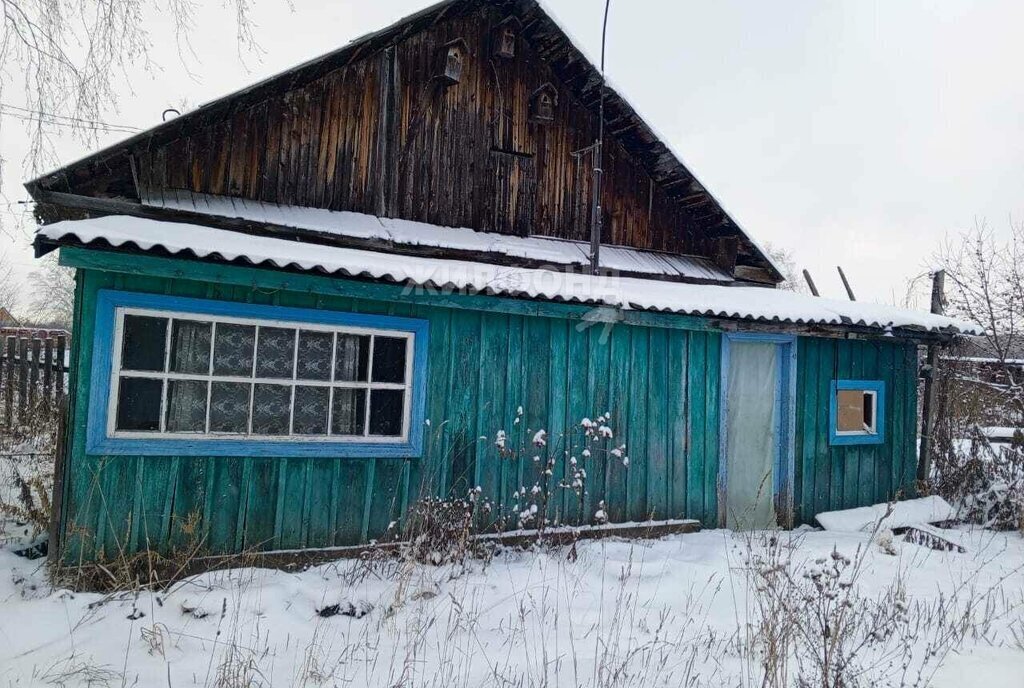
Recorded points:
(857, 412)
(195, 376)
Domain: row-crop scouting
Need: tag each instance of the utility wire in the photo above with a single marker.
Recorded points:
(63, 120)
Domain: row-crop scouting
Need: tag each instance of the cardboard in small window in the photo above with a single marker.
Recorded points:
(850, 410)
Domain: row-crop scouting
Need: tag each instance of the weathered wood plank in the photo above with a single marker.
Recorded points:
(696, 407)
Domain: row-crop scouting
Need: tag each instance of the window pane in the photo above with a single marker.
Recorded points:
(138, 404)
(386, 412)
(144, 339)
(869, 411)
(190, 347)
(351, 360)
(229, 406)
(232, 349)
(348, 412)
(276, 353)
(271, 406)
(850, 410)
(311, 410)
(186, 406)
(389, 359)
(314, 357)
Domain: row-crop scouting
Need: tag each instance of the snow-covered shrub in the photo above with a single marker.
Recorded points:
(989, 482)
(554, 465)
(32, 506)
(812, 624)
(439, 531)
(27, 453)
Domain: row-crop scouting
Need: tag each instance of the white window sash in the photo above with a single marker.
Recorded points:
(252, 380)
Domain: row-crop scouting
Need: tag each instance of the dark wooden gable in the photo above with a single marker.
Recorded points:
(383, 127)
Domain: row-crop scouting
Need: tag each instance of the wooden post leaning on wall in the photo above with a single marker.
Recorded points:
(810, 283)
(924, 456)
(9, 392)
(23, 374)
(57, 499)
(846, 283)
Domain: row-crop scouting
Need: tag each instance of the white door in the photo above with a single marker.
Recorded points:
(755, 390)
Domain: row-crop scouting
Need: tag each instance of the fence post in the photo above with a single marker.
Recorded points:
(57, 502)
(48, 373)
(924, 460)
(3, 375)
(62, 369)
(34, 366)
(9, 398)
(22, 375)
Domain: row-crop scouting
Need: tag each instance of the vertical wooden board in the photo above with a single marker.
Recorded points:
(291, 494)
(81, 518)
(712, 446)
(696, 406)
(243, 506)
(807, 425)
(462, 402)
(491, 412)
(887, 452)
(910, 450)
(896, 410)
(428, 478)
(619, 402)
(536, 385)
(386, 500)
(845, 459)
(82, 477)
(117, 500)
(579, 405)
(351, 477)
(224, 493)
(189, 512)
(871, 368)
(597, 394)
(636, 483)
(262, 502)
(658, 429)
(155, 484)
(825, 499)
(677, 428)
(319, 517)
(515, 399)
(559, 441)
(905, 459)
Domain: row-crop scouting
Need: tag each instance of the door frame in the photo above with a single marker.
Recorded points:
(783, 464)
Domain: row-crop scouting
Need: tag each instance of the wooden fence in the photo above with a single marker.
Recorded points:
(33, 375)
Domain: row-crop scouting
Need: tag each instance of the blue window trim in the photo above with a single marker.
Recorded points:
(98, 442)
(785, 404)
(878, 437)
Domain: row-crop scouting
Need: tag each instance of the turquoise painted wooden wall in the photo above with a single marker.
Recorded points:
(659, 378)
(660, 385)
(840, 477)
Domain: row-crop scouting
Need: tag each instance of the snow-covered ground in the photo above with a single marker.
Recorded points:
(678, 611)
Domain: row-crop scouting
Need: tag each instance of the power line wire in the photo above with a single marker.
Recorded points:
(63, 120)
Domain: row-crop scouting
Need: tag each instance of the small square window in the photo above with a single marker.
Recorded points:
(857, 412)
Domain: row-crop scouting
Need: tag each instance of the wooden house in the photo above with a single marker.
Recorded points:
(308, 305)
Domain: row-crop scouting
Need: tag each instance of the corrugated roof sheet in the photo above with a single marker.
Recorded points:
(409, 233)
(745, 303)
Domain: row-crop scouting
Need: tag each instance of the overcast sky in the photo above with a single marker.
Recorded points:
(851, 132)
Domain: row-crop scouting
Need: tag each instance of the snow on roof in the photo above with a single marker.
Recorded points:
(746, 303)
(362, 226)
